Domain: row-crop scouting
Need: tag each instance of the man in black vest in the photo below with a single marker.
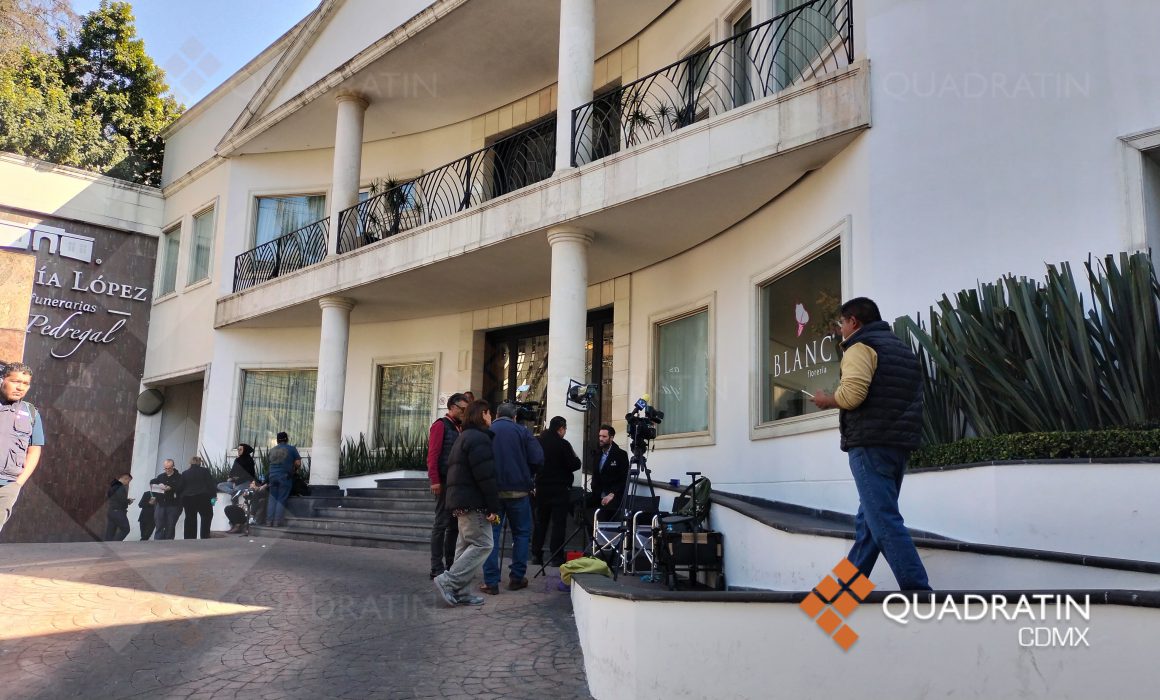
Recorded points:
(879, 399)
(446, 529)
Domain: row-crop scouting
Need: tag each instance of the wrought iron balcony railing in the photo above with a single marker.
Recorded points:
(513, 162)
(805, 42)
(284, 254)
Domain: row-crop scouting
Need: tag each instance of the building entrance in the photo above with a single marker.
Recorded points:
(516, 369)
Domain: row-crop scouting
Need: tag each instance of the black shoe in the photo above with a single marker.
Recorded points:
(434, 573)
(557, 562)
(516, 584)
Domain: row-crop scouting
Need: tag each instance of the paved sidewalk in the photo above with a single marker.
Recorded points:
(268, 618)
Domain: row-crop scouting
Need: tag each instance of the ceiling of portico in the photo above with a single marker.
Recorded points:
(480, 56)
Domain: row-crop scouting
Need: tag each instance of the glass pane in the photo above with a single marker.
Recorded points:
(800, 355)
(532, 372)
(200, 247)
(278, 216)
(274, 401)
(405, 398)
(742, 49)
(682, 374)
(169, 262)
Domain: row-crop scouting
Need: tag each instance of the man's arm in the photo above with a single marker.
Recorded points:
(31, 459)
(859, 363)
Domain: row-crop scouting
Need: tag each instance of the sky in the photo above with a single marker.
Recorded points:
(201, 44)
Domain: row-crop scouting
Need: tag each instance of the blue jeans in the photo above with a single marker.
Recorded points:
(279, 492)
(878, 527)
(517, 511)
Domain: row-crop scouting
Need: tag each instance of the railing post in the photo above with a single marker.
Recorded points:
(849, 31)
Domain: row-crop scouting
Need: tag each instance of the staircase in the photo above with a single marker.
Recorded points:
(398, 514)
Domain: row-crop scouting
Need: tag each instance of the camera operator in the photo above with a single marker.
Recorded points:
(609, 475)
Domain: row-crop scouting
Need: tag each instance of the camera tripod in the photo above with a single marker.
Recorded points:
(613, 548)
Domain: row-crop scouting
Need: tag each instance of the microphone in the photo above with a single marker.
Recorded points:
(641, 403)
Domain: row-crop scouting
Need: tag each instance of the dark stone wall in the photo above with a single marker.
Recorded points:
(86, 345)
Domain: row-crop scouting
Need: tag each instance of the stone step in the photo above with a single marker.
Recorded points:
(392, 492)
(345, 538)
(426, 504)
(413, 517)
(409, 483)
(374, 527)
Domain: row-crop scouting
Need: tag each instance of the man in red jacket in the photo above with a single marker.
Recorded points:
(442, 436)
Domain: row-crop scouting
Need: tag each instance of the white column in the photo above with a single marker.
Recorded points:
(574, 82)
(330, 390)
(348, 137)
(568, 322)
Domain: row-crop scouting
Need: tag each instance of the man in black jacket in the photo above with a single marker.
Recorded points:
(472, 496)
(609, 475)
(116, 518)
(167, 486)
(197, 492)
(880, 421)
(553, 483)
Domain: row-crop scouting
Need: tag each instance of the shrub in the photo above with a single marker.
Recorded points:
(402, 451)
(1094, 444)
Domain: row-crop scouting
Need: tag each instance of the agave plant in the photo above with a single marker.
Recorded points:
(401, 451)
(1022, 356)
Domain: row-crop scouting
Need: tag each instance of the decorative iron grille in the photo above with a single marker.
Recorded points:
(810, 40)
(293, 251)
(511, 163)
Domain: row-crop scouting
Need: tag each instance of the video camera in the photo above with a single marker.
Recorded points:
(642, 422)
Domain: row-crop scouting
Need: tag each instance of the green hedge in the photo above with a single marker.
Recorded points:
(1057, 445)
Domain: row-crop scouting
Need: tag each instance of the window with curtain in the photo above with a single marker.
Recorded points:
(170, 249)
(682, 374)
(200, 246)
(278, 216)
(800, 341)
(406, 396)
(275, 401)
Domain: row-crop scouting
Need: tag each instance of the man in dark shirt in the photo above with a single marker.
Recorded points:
(553, 483)
(21, 435)
(167, 486)
(284, 462)
(116, 518)
(439, 441)
(197, 493)
(609, 475)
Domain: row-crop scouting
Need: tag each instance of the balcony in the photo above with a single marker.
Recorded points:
(805, 43)
(801, 103)
(283, 255)
(511, 163)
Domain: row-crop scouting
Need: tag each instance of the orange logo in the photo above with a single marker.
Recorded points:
(836, 600)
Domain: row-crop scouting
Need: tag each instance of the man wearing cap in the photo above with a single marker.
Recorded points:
(284, 461)
(21, 435)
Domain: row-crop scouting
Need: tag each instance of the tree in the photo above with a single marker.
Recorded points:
(38, 119)
(32, 24)
(107, 70)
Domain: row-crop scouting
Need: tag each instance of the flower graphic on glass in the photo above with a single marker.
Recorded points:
(802, 316)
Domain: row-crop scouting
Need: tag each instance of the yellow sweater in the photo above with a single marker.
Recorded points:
(859, 362)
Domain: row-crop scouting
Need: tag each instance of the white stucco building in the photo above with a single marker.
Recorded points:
(660, 245)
